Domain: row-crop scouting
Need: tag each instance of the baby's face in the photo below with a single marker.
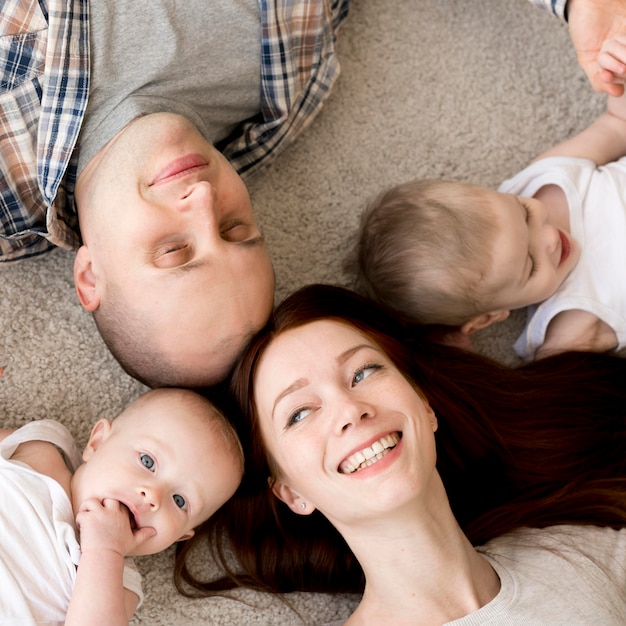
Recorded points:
(531, 257)
(167, 462)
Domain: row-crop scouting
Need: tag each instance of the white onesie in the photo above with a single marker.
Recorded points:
(39, 550)
(596, 197)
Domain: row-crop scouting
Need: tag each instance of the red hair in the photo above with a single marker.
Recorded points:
(537, 445)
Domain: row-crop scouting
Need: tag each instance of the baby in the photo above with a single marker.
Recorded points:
(553, 236)
(147, 479)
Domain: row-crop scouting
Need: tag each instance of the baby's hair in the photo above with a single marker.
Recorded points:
(217, 420)
(202, 407)
(423, 248)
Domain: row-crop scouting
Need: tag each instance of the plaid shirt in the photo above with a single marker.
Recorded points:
(44, 84)
(556, 7)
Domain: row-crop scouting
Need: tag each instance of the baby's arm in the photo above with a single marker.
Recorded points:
(4, 432)
(577, 330)
(99, 596)
(605, 140)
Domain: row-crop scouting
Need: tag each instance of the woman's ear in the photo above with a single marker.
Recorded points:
(85, 280)
(99, 433)
(291, 498)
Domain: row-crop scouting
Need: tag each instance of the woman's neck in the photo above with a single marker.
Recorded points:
(420, 569)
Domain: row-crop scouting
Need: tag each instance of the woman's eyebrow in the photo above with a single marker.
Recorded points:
(302, 382)
(344, 356)
(297, 384)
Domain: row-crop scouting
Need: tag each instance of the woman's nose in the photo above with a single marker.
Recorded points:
(350, 412)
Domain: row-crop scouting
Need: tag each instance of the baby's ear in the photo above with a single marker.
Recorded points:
(483, 321)
(99, 433)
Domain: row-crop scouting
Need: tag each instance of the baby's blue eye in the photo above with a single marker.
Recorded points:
(147, 461)
(180, 501)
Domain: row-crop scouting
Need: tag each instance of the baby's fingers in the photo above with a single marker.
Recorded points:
(612, 57)
(143, 534)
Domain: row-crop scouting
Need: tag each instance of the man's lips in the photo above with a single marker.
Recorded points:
(566, 247)
(179, 167)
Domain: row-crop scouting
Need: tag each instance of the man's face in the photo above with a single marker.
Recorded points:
(168, 223)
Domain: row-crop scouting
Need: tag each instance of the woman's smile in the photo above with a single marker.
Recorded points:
(370, 454)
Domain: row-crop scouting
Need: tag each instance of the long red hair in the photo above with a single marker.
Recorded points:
(537, 445)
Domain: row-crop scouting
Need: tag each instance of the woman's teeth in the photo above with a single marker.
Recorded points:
(368, 456)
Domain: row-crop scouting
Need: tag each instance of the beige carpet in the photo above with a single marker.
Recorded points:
(470, 90)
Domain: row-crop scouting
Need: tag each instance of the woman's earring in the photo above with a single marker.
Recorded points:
(303, 505)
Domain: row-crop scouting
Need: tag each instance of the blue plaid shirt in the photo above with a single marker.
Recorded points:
(556, 7)
(44, 84)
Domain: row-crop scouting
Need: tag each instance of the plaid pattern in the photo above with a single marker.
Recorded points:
(555, 7)
(43, 95)
(299, 68)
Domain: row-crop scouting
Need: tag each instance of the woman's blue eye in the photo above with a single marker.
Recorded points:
(364, 372)
(147, 461)
(298, 416)
(180, 501)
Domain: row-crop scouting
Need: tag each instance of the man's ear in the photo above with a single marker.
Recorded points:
(99, 433)
(85, 280)
(291, 498)
(482, 321)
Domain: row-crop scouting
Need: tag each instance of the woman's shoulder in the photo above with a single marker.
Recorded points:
(579, 537)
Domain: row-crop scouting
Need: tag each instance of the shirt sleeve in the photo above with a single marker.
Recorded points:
(554, 7)
(132, 579)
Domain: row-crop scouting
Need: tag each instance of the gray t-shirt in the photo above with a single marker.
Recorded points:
(186, 60)
(557, 576)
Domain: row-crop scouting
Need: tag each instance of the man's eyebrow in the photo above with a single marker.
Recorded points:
(255, 241)
(192, 265)
(189, 267)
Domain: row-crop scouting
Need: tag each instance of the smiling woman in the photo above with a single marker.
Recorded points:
(396, 457)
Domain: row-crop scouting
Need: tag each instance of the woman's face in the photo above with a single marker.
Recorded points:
(350, 434)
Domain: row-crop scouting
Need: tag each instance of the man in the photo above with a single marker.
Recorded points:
(108, 117)
(109, 112)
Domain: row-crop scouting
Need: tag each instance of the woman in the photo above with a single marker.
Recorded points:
(416, 452)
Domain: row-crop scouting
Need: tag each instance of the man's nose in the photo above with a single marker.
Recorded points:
(197, 197)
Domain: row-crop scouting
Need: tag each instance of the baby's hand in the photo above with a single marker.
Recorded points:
(612, 60)
(592, 22)
(106, 526)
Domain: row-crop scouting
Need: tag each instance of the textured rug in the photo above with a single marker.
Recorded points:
(437, 88)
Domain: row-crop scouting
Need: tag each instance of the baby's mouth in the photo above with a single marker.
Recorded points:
(131, 517)
(370, 455)
(566, 247)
